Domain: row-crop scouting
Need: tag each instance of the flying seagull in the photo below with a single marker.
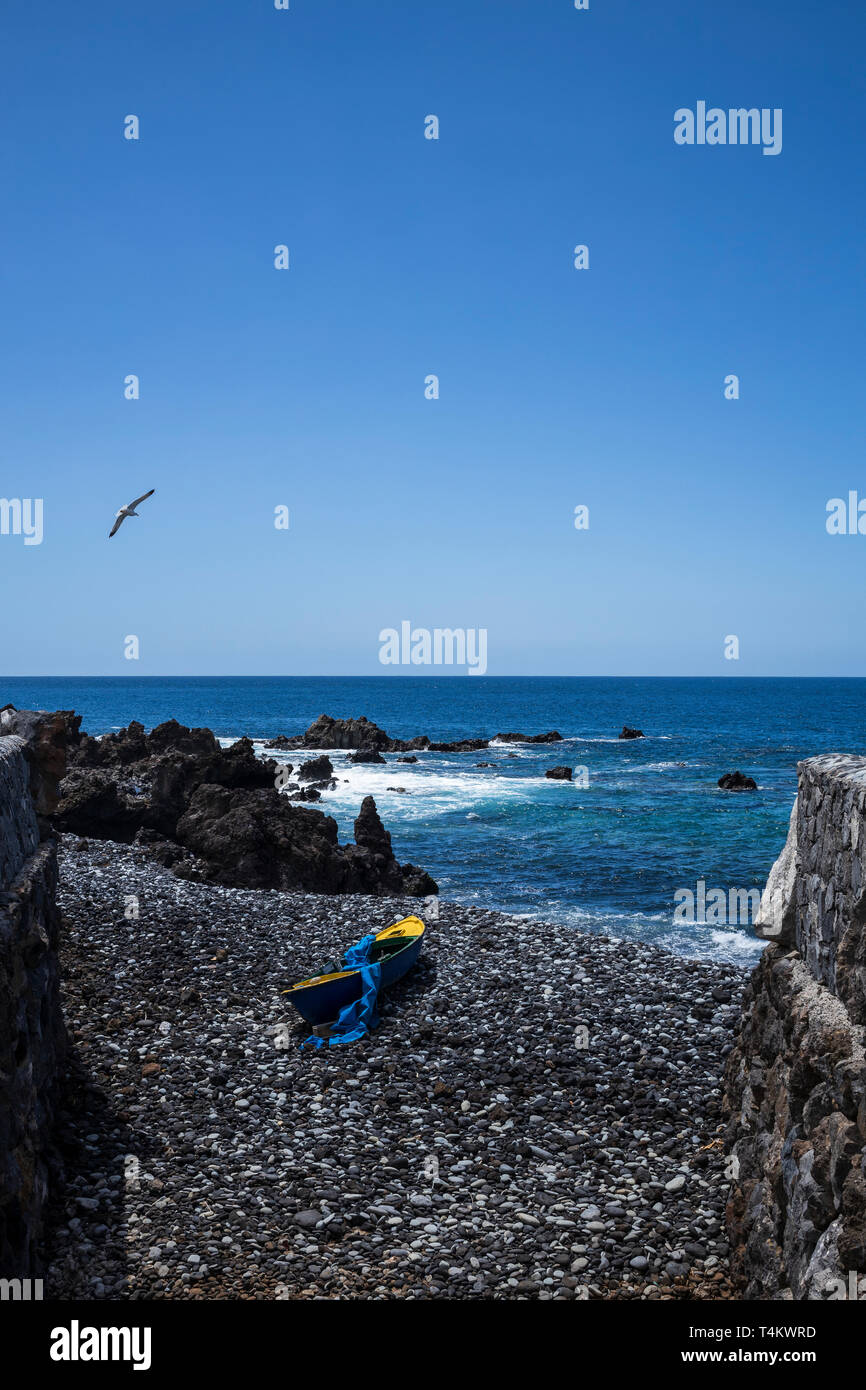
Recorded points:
(129, 511)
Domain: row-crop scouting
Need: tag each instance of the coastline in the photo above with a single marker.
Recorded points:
(606, 849)
(252, 1169)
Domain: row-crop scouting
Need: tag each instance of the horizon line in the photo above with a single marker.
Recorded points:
(418, 676)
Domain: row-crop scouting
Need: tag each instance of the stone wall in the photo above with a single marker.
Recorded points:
(795, 1094)
(32, 1035)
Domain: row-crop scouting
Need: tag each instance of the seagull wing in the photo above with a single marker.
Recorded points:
(143, 498)
(119, 520)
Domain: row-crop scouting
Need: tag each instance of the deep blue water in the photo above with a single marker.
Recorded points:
(608, 857)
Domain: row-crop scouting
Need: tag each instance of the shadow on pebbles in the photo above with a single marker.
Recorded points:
(537, 1115)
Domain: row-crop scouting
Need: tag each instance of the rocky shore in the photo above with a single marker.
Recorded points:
(221, 815)
(537, 1115)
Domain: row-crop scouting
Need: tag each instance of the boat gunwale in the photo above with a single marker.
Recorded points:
(314, 981)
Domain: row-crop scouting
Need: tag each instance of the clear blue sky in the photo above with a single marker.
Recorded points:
(411, 257)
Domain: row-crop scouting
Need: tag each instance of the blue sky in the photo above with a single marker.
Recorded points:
(408, 257)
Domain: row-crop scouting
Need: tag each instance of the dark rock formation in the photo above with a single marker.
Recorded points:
(410, 759)
(630, 733)
(255, 839)
(316, 770)
(47, 737)
(304, 793)
(93, 803)
(795, 1093)
(361, 734)
(460, 745)
(132, 745)
(33, 1041)
(130, 780)
(215, 814)
(559, 774)
(326, 732)
(737, 782)
(366, 755)
(552, 737)
(374, 860)
(370, 833)
(165, 852)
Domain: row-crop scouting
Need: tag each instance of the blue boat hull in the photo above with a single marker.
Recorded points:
(322, 1003)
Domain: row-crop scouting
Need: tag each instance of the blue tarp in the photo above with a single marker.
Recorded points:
(359, 1018)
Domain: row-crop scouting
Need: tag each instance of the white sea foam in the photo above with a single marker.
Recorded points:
(428, 793)
(644, 738)
(438, 786)
(737, 944)
(662, 767)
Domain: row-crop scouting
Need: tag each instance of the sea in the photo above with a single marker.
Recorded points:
(612, 852)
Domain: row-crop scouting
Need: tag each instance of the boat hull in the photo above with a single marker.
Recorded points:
(321, 1002)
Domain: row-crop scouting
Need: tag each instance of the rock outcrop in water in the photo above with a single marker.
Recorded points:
(215, 815)
(367, 738)
(316, 770)
(737, 782)
(796, 1078)
(326, 732)
(551, 737)
(630, 733)
(460, 745)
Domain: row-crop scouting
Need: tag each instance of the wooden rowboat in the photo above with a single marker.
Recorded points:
(322, 997)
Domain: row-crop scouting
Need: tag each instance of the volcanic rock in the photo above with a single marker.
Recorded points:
(461, 745)
(373, 858)
(48, 737)
(737, 782)
(551, 737)
(215, 815)
(360, 734)
(316, 770)
(326, 732)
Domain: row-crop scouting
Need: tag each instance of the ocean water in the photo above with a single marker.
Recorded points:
(608, 857)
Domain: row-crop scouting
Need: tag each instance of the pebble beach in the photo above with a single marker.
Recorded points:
(536, 1116)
